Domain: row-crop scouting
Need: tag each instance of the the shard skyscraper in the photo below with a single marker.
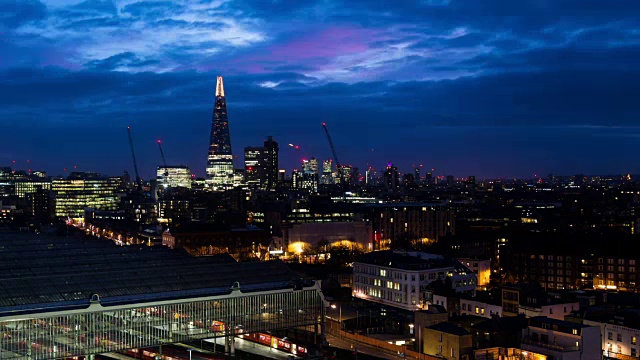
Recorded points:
(220, 160)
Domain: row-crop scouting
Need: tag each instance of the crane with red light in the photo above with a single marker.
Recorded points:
(341, 178)
(164, 161)
(135, 163)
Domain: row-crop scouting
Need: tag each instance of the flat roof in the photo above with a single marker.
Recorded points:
(45, 272)
(449, 328)
(411, 260)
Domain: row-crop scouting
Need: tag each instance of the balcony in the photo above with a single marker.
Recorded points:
(554, 347)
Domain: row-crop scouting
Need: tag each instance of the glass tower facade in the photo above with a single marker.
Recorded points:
(220, 160)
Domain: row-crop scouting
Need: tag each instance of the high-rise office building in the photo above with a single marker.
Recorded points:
(391, 178)
(261, 165)
(85, 190)
(174, 176)
(370, 176)
(416, 177)
(310, 174)
(272, 162)
(254, 166)
(220, 160)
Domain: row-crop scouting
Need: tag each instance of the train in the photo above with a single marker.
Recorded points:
(275, 342)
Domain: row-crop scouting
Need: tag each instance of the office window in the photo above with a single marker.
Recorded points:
(440, 340)
(453, 353)
(619, 337)
(477, 310)
(575, 331)
(610, 335)
(633, 352)
(633, 340)
(464, 306)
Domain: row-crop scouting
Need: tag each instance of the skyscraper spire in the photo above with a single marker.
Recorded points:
(220, 160)
(219, 87)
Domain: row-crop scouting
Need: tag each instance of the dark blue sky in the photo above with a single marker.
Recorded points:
(487, 88)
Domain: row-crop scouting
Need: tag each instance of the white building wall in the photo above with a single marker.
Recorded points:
(586, 343)
(555, 311)
(617, 339)
(479, 308)
(399, 287)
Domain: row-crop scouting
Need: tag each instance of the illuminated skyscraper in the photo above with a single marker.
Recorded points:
(220, 160)
(327, 168)
(261, 165)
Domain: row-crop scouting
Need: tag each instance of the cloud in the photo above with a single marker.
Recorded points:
(432, 79)
(17, 13)
(127, 61)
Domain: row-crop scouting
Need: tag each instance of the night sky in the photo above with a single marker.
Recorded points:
(487, 88)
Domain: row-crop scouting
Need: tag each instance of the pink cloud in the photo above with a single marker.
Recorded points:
(312, 50)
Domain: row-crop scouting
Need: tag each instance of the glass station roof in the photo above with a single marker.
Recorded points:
(47, 271)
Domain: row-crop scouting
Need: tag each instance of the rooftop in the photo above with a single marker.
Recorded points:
(43, 272)
(554, 324)
(449, 328)
(411, 260)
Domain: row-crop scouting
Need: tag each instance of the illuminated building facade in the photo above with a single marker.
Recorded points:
(261, 165)
(620, 332)
(24, 187)
(480, 267)
(327, 169)
(560, 339)
(447, 341)
(220, 160)
(310, 174)
(400, 278)
(174, 176)
(352, 235)
(421, 221)
(74, 194)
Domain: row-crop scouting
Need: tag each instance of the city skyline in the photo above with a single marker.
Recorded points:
(496, 89)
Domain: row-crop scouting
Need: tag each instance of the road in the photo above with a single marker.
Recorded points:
(363, 348)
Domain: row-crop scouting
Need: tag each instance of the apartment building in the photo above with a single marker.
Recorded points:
(401, 279)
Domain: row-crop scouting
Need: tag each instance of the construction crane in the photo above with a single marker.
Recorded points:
(335, 155)
(135, 164)
(164, 161)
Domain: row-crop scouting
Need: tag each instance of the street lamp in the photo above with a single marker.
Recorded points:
(340, 318)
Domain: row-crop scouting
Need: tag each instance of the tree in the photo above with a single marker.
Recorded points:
(404, 241)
